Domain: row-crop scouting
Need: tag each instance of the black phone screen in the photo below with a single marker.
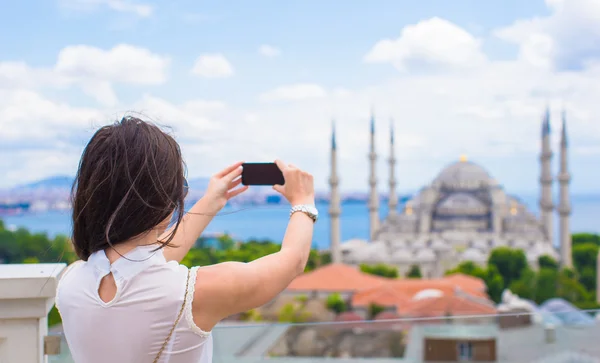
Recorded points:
(261, 174)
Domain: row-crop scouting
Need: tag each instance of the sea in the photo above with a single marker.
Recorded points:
(268, 222)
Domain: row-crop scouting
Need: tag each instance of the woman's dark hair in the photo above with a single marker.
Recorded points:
(130, 179)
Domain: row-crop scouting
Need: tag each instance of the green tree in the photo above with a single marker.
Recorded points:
(510, 263)
(546, 261)
(570, 289)
(546, 286)
(581, 238)
(490, 275)
(584, 255)
(414, 272)
(587, 278)
(380, 269)
(225, 242)
(523, 287)
(293, 313)
(335, 303)
(375, 310)
(494, 283)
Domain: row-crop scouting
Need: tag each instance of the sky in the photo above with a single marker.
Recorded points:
(255, 81)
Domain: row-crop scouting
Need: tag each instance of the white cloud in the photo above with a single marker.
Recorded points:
(92, 69)
(568, 38)
(430, 43)
(122, 6)
(212, 66)
(269, 51)
(29, 117)
(295, 92)
(123, 63)
(490, 111)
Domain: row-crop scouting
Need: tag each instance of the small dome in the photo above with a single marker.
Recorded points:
(425, 255)
(474, 255)
(461, 204)
(481, 244)
(428, 294)
(353, 244)
(532, 256)
(402, 255)
(418, 242)
(463, 175)
(440, 245)
(377, 252)
(521, 244)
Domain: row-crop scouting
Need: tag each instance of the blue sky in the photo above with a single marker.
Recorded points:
(461, 77)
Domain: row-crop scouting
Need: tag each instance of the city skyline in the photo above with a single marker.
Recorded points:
(467, 78)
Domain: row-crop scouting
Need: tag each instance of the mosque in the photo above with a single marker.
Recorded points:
(462, 215)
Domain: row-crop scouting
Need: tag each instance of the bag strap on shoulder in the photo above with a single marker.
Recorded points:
(185, 297)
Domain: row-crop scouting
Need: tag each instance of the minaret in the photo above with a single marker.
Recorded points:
(564, 207)
(597, 279)
(393, 197)
(334, 204)
(546, 205)
(373, 196)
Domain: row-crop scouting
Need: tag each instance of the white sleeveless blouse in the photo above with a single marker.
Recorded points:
(134, 325)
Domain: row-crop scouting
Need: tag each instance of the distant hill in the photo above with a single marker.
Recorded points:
(55, 182)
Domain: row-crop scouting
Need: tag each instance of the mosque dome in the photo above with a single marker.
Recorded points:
(480, 244)
(463, 175)
(474, 255)
(440, 245)
(376, 251)
(461, 203)
(426, 255)
(402, 255)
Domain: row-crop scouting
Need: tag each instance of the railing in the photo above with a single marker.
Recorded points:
(523, 337)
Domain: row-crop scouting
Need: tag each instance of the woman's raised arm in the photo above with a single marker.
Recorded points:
(221, 188)
(232, 287)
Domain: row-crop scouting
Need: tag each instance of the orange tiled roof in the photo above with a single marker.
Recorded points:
(384, 295)
(446, 305)
(400, 292)
(335, 277)
(466, 282)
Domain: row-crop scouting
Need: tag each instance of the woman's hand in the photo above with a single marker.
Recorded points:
(223, 186)
(299, 186)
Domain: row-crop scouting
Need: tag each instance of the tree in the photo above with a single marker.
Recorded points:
(581, 238)
(490, 275)
(336, 304)
(570, 289)
(375, 310)
(546, 285)
(587, 278)
(510, 263)
(584, 255)
(523, 287)
(225, 242)
(494, 283)
(414, 272)
(546, 261)
(293, 313)
(380, 269)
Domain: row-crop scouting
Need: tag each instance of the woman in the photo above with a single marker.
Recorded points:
(129, 300)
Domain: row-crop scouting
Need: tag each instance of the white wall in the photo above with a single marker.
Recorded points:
(27, 294)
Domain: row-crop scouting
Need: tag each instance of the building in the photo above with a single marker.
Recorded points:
(461, 215)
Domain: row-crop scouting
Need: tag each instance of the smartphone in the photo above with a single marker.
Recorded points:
(261, 174)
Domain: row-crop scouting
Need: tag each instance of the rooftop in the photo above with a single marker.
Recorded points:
(336, 277)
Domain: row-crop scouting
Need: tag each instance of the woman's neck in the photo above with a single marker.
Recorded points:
(116, 252)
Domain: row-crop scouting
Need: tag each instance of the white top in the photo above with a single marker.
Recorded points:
(134, 325)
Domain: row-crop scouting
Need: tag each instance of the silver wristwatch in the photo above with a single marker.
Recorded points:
(308, 209)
